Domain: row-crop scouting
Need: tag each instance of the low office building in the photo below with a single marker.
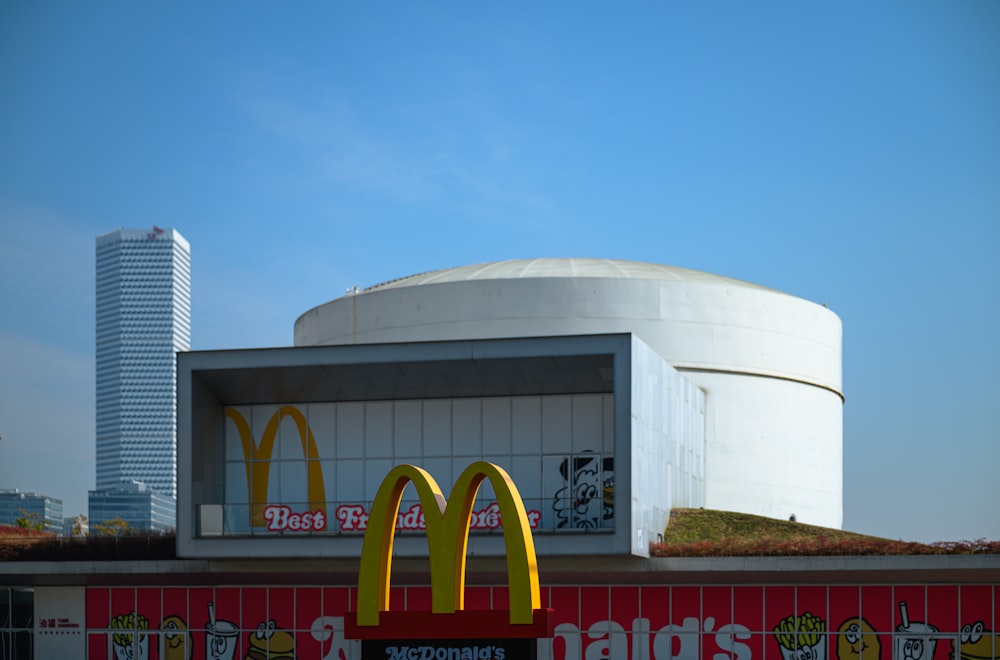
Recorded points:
(134, 504)
(33, 508)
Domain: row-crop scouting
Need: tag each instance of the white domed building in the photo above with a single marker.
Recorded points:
(768, 363)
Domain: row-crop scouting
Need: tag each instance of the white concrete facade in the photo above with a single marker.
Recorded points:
(600, 434)
(769, 363)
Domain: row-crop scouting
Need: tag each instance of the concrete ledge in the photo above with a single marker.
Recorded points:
(925, 569)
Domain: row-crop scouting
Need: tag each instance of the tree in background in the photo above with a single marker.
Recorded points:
(79, 525)
(32, 521)
(114, 527)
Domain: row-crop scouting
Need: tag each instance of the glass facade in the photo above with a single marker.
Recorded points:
(15, 505)
(326, 461)
(143, 320)
(137, 505)
(17, 614)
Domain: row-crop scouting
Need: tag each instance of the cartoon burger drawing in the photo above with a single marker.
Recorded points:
(269, 643)
(977, 643)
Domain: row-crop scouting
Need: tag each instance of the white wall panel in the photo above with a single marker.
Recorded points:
(667, 428)
(529, 477)
(322, 419)
(64, 610)
(375, 470)
(350, 430)
(556, 500)
(329, 481)
(496, 426)
(236, 483)
(407, 428)
(274, 482)
(378, 429)
(234, 444)
(288, 441)
(292, 477)
(441, 469)
(557, 425)
(467, 427)
(526, 425)
(505, 461)
(437, 427)
(349, 484)
(608, 434)
(588, 423)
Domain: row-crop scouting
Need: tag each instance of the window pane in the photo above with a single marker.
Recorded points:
(4, 608)
(22, 608)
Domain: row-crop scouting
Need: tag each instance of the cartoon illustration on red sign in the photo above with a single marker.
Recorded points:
(271, 643)
(804, 638)
(674, 623)
(914, 640)
(132, 643)
(221, 637)
(977, 643)
(857, 640)
(801, 637)
(175, 642)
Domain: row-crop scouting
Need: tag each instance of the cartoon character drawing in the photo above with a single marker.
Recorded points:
(130, 644)
(220, 637)
(977, 643)
(914, 640)
(857, 640)
(271, 643)
(801, 637)
(175, 641)
(587, 499)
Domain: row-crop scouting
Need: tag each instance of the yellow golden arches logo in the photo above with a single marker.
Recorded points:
(257, 460)
(447, 523)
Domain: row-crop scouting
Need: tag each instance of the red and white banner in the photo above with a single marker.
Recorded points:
(712, 622)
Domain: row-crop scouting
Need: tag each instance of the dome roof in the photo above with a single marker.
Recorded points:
(561, 267)
(693, 319)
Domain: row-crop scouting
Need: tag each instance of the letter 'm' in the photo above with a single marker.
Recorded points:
(257, 460)
(447, 523)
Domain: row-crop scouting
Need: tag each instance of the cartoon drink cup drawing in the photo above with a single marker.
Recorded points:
(914, 640)
(220, 637)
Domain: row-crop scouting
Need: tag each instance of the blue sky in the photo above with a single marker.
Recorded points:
(847, 153)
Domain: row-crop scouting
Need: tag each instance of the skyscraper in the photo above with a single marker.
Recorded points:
(143, 319)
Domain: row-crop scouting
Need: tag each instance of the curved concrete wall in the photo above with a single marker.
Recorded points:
(773, 448)
(769, 363)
